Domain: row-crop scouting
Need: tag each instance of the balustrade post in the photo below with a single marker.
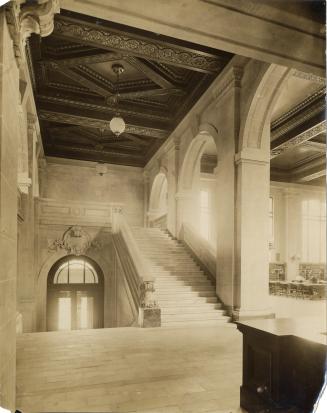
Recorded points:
(149, 311)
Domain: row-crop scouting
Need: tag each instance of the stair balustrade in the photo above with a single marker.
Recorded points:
(201, 249)
(159, 222)
(136, 270)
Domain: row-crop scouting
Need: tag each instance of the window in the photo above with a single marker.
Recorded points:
(204, 215)
(271, 222)
(313, 230)
(75, 272)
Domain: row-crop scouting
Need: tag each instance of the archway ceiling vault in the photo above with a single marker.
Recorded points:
(74, 87)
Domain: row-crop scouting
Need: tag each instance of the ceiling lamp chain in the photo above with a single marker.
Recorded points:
(117, 123)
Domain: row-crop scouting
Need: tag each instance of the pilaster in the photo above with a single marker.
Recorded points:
(251, 286)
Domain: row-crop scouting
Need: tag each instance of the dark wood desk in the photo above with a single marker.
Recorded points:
(283, 365)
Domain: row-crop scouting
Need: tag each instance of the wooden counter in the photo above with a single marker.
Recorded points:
(283, 364)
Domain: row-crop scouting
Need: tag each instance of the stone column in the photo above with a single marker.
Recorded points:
(293, 232)
(146, 195)
(251, 287)
(9, 138)
(173, 190)
(26, 258)
(227, 101)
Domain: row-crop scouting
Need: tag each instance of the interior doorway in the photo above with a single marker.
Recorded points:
(75, 294)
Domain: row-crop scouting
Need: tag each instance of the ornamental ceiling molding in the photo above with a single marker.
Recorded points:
(115, 40)
(26, 18)
(99, 124)
(313, 104)
(309, 76)
(299, 139)
(100, 108)
(298, 119)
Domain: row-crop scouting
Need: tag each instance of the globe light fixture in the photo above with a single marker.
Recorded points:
(117, 123)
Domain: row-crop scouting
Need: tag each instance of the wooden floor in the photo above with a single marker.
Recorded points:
(162, 370)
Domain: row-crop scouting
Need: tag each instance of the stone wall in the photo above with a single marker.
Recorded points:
(9, 137)
(78, 181)
(73, 194)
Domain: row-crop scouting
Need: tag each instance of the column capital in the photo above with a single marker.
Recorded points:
(177, 142)
(253, 156)
(26, 18)
(231, 79)
(31, 121)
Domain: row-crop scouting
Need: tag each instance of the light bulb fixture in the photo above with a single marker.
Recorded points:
(101, 168)
(117, 123)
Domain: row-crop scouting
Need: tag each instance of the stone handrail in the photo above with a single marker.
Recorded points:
(203, 251)
(136, 270)
(159, 221)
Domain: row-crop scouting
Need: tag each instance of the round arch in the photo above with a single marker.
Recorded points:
(79, 282)
(42, 279)
(158, 200)
(189, 178)
(207, 133)
(255, 129)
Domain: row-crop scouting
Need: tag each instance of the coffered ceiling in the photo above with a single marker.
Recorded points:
(75, 87)
(298, 134)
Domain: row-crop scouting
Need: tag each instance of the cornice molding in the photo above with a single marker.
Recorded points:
(27, 18)
(299, 139)
(309, 76)
(135, 45)
(298, 114)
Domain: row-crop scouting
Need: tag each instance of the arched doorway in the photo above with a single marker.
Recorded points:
(197, 188)
(75, 292)
(158, 205)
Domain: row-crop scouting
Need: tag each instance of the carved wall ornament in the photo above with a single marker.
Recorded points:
(26, 18)
(75, 241)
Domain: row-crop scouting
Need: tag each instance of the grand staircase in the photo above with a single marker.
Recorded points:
(185, 295)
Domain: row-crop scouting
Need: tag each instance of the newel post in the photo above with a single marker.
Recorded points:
(149, 311)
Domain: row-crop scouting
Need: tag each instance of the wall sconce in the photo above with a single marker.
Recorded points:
(101, 168)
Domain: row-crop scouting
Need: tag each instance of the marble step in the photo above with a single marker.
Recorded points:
(190, 281)
(193, 309)
(186, 301)
(185, 288)
(213, 315)
(194, 323)
(185, 294)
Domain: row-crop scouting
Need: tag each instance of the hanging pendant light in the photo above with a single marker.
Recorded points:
(117, 123)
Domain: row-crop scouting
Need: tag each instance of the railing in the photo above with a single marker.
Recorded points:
(159, 221)
(201, 249)
(137, 272)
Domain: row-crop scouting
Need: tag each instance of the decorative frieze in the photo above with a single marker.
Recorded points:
(299, 139)
(127, 43)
